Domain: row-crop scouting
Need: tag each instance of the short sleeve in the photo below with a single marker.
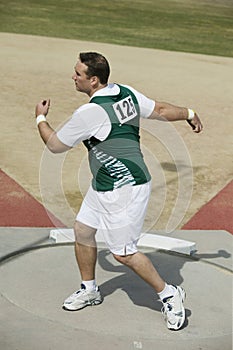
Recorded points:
(146, 104)
(87, 121)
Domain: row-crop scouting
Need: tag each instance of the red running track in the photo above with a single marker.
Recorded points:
(19, 209)
(217, 214)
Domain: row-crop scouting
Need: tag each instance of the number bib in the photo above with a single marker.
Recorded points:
(125, 109)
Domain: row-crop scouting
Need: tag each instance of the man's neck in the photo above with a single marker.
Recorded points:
(101, 86)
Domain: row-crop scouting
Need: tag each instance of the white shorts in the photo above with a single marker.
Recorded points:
(119, 214)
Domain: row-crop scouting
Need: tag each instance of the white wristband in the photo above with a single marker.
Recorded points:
(191, 114)
(40, 118)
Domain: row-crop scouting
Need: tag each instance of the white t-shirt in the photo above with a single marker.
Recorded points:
(92, 120)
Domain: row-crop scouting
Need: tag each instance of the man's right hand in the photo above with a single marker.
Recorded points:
(42, 107)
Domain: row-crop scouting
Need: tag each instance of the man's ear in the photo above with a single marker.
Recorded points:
(94, 80)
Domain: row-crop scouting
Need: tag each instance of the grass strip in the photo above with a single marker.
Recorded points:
(201, 26)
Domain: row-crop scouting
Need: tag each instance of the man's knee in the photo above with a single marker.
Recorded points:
(84, 234)
(124, 259)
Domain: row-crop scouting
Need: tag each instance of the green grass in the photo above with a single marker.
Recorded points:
(200, 26)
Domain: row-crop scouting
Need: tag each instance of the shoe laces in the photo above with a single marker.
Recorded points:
(79, 291)
(170, 307)
(168, 303)
(168, 310)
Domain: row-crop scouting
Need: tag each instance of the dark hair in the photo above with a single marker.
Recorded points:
(96, 65)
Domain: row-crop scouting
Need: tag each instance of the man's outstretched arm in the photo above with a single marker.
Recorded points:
(47, 133)
(168, 112)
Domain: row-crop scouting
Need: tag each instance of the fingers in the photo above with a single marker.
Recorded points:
(198, 124)
(198, 128)
(42, 107)
(45, 103)
(195, 124)
(191, 124)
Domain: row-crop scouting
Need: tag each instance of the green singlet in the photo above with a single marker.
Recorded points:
(118, 160)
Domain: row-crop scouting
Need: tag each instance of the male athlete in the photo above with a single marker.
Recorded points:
(117, 199)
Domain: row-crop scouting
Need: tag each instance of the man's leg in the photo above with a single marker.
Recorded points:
(172, 297)
(144, 268)
(86, 256)
(85, 250)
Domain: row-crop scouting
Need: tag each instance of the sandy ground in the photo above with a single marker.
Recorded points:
(187, 169)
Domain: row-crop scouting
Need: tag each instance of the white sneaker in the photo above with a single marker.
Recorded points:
(173, 309)
(82, 298)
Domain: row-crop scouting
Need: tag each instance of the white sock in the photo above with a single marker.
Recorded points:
(90, 285)
(168, 291)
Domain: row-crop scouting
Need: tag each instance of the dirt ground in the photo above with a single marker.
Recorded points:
(187, 169)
